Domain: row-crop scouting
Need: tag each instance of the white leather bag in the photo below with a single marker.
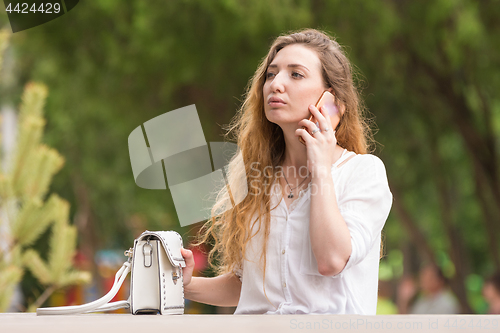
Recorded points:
(156, 281)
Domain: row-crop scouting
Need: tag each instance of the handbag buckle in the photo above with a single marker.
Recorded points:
(129, 253)
(175, 276)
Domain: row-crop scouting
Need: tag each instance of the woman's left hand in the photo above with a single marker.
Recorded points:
(320, 145)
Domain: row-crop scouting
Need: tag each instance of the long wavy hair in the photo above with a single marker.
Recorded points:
(262, 151)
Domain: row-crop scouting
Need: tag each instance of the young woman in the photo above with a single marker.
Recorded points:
(306, 237)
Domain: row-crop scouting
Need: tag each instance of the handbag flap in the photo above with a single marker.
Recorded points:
(171, 242)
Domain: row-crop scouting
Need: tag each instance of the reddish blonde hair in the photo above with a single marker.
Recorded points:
(261, 141)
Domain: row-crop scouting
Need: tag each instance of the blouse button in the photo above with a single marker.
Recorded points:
(284, 284)
(283, 252)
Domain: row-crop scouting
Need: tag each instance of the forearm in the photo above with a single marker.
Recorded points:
(223, 290)
(330, 237)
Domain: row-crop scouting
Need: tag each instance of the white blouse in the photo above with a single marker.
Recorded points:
(293, 283)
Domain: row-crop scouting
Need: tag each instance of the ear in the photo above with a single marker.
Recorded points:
(342, 109)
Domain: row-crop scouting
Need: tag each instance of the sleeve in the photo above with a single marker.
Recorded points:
(365, 204)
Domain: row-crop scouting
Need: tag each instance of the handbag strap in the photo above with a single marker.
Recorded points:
(113, 306)
(98, 305)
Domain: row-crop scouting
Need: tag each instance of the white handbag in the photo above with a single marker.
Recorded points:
(156, 281)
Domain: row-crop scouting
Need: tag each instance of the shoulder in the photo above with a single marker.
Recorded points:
(368, 158)
(363, 174)
(366, 163)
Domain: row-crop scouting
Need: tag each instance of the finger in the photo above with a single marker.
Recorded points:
(320, 117)
(187, 254)
(188, 257)
(315, 112)
(187, 272)
(313, 129)
(306, 136)
(311, 126)
(328, 121)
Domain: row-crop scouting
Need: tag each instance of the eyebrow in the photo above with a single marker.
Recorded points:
(291, 65)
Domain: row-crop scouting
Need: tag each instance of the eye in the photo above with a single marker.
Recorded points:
(297, 75)
(269, 75)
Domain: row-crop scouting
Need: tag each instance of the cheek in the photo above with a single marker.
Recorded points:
(265, 87)
(309, 96)
(264, 93)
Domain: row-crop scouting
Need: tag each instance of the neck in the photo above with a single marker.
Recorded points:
(295, 152)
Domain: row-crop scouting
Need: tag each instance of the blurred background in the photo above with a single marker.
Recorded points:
(428, 72)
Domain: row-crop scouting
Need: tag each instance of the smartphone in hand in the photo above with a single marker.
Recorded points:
(326, 100)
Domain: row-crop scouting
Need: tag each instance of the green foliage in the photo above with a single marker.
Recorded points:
(10, 276)
(391, 266)
(58, 270)
(28, 215)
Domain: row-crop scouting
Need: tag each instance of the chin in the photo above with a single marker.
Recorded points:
(283, 118)
(281, 121)
(274, 116)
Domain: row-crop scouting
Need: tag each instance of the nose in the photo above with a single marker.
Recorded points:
(277, 84)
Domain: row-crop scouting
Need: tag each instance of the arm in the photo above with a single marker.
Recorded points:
(341, 234)
(223, 290)
(343, 231)
(330, 237)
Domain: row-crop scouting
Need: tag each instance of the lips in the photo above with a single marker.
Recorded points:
(275, 101)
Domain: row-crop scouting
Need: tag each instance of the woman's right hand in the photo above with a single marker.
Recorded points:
(223, 290)
(187, 272)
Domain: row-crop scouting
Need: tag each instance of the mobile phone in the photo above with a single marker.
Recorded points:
(327, 100)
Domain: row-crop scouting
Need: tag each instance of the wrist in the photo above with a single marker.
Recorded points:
(322, 184)
(190, 289)
(189, 286)
(321, 173)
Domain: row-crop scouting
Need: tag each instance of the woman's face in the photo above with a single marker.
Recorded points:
(293, 81)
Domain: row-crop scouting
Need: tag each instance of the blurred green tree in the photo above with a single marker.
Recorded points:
(25, 214)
